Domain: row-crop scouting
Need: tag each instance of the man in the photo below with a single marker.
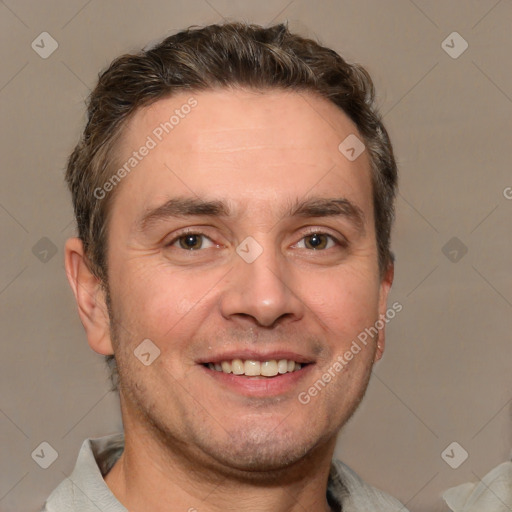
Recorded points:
(234, 192)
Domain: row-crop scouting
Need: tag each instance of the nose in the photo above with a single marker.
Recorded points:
(261, 291)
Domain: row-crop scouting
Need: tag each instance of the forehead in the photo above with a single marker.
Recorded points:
(246, 146)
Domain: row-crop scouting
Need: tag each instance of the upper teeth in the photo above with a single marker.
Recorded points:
(254, 368)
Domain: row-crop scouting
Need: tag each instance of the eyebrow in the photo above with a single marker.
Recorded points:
(312, 207)
(184, 207)
(327, 207)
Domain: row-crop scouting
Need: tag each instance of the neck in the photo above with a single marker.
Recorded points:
(153, 476)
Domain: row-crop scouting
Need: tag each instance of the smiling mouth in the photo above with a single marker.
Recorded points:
(252, 368)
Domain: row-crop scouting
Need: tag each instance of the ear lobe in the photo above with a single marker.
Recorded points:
(89, 296)
(385, 286)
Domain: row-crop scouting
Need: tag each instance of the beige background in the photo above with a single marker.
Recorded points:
(446, 373)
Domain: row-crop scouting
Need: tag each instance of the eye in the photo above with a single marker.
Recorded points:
(317, 241)
(192, 242)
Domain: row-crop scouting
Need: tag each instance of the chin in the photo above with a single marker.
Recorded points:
(262, 452)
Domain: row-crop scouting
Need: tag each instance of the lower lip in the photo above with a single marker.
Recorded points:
(261, 386)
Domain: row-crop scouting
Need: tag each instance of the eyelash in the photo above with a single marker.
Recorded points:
(340, 242)
(185, 233)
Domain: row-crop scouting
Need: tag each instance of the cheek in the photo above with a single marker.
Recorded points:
(344, 300)
(157, 302)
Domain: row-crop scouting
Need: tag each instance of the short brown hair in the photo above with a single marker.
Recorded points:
(216, 56)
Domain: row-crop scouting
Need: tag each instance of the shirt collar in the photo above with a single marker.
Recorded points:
(86, 488)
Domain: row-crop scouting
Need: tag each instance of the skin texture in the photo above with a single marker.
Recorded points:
(192, 442)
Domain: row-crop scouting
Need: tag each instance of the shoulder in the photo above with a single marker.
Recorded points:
(85, 489)
(361, 496)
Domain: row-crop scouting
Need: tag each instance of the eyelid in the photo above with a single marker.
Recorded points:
(189, 231)
(338, 238)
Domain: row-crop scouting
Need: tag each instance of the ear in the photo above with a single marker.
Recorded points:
(385, 286)
(89, 296)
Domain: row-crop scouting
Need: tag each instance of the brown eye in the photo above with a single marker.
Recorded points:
(316, 241)
(192, 242)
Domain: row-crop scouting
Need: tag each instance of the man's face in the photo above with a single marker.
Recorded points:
(301, 288)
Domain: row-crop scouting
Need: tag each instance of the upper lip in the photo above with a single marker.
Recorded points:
(255, 355)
